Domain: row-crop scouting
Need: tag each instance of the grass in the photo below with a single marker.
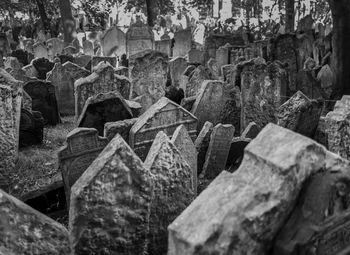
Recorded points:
(37, 170)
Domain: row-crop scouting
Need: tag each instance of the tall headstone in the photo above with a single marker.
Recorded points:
(177, 67)
(112, 197)
(63, 78)
(113, 42)
(139, 37)
(165, 116)
(183, 42)
(83, 145)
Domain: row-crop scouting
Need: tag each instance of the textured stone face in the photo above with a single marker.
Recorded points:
(218, 150)
(241, 213)
(338, 128)
(177, 67)
(121, 127)
(54, 47)
(114, 41)
(251, 131)
(139, 38)
(182, 140)
(202, 144)
(110, 204)
(183, 43)
(214, 68)
(97, 60)
(300, 114)
(173, 191)
(196, 79)
(148, 75)
(26, 231)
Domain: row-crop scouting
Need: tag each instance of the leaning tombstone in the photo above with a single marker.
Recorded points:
(104, 190)
(83, 145)
(176, 179)
(202, 143)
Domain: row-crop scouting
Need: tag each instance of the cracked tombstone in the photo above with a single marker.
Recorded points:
(113, 197)
(173, 189)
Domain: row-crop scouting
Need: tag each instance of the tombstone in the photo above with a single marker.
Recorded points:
(28, 45)
(337, 128)
(165, 116)
(183, 42)
(177, 66)
(148, 75)
(123, 71)
(76, 45)
(185, 145)
(214, 68)
(54, 47)
(139, 38)
(326, 77)
(40, 50)
(258, 197)
(97, 60)
(218, 150)
(103, 108)
(27, 231)
(263, 91)
(197, 77)
(62, 78)
(69, 50)
(164, 46)
(121, 127)
(202, 144)
(188, 103)
(235, 155)
(173, 189)
(100, 193)
(31, 131)
(30, 71)
(251, 131)
(88, 47)
(43, 66)
(222, 56)
(196, 56)
(101, 81)
(135, 107)
(26, 101)
(82, 147)
(83, 61)
(14, 67)
(44, 100)
(113, 42)
(300, 114)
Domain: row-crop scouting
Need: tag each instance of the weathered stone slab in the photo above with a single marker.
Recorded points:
(40, 50)
(196, 79)
(139, 37)
(84, 61)
(43, 66)
(300, 114)
(196, 56)
(26, 231)
(113, 42)
(182, 140)
(173, 189)
(251, 131)
(63, 78)
(218, 150)
(165, 116)
(236, 153)
(83, 145)
(96, 60)
(188, 103)
(222, 56)
(257, 198)
(326, 77)
(164, 46)
(112, 197)
(177, 66)
(69, 50)
(121, 127)
(183, 42)
(31, 128)
(88, 47)
(202, 144)
(103, 108)
(54, 47)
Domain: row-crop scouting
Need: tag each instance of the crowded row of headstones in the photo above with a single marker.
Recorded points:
(137, 159)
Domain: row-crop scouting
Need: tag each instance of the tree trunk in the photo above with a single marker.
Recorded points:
(67, 20)
(341, 45)
(151, 6)
(290, 16)
(43, 16)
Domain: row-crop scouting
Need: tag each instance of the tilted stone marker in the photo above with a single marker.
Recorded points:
(251, 131)
(165, 116)
(182, 140)
(202, 144)
(27, 231)
(241, 213)
(173, 190)
(218, 150)
(83, 145)
(300, 114)
(121, 127)
(103, 108)
(112, 197)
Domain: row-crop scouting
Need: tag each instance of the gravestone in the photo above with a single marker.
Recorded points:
(164, 46)
(222, 56)
(103, 108)
(14, 67)
(177, 66)
(218, 150)
(54, 47)
(40, 50)
(196, 79)
(26, 101)
(173, 189)
(44, 100)
(113, 42)
(263, 91)
(31, 131)
(97, 60)
(69, 50)
(27, 231)
(88, 47)
(214, 68)
(115, 184)
(83, 61)
(182, 140)
(251, 131)
(82, 147)
(202, 144)
(63, 78)
(139, 37)
(165, 116)
(258, 198)
(148, 75)
(30, 71)
(196, 56)
(183, 42)
(43, 66)
(121, 127)
(235, 155)
(326, 78)
(337, 126)
(300, 114)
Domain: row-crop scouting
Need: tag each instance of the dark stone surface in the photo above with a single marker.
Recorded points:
(43, 66)
(31, 128)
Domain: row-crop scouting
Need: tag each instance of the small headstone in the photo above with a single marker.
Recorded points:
(103, 108)
(188, 103)
(326, 78)
(121, 127)
(214, 68)
(165, 116)
(202, 144)
(236, 152)
(222, 56)
(40, 50)
(83, 61)
(196, 56)
(97, 60)
(164, 46)
(54, 47)
(218, 150)
(183, 42)
(177, 66)
(115, 184)
(88, 47)
(83, 145)
(139, 37)
(173, 189)
(113, 42)
(26, 231)
(251, 131)
(196, 79)
(182, 140)
(69, 50)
